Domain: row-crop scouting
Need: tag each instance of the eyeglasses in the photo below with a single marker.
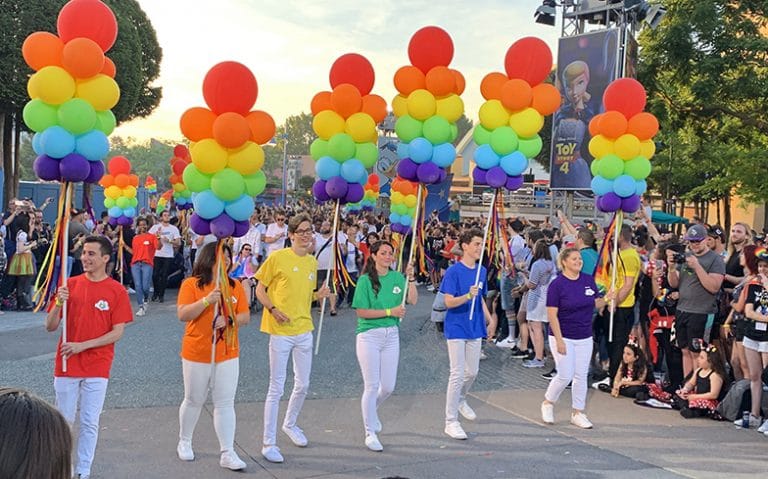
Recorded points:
(246, 249)
(303, 231)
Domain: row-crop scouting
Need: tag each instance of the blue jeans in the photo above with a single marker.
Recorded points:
(142, 280)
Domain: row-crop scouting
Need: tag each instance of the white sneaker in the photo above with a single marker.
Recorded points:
(430, 288)
(272, 454)
(455, 430)
(483, 356)
(184, 450)
(506, 343)
(754, 421)
(580, 420)
(467, 411)
(140, 311)
(764, 427)
(372, 443)
(131, 290)
(297, 435)
(548, 413)
(377, 426)
(230, 460)
(605, 381)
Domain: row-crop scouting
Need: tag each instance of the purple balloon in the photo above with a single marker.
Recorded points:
(124, 221)
(112, 221)
(336, 187)
(407, 169)
(609, 202)
(443, 175)
(514, 182)
(428, 173)
(222, 226)
(97, 171)
(395, 227)
(479, 176)
(199, 225)
(355, 193)
(74, 168)
(631, 204)
(241, 228)
(46, 168)
(318, 191)
(496, 177)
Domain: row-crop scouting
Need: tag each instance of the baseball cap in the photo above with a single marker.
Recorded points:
(716, 231)
(75, 212)
(696, 233)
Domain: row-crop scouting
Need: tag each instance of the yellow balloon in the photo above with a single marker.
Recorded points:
(410, 201)
(178, 187)
(400, 106)
(208, 156)
(360, 127)
(493, 115)
(129, 191)
(599, 146)
(53, 85)
(113, 192)
(396, 198)
(421, 104)
(527, 122)
(647, 149)
(100, 91)
(246, 160)
(627, 146)
(328, 123)
(451, 108)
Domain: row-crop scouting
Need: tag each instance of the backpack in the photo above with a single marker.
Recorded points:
(439, 308)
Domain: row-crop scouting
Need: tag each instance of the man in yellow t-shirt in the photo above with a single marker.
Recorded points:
(287, 280)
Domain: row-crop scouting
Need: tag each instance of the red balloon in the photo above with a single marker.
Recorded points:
(181, 151)
(90, 19)
(430, 47)
(353, 69)
(119, 165)
(626, 95)
(529, 59)
(178, 167)
(230, 87)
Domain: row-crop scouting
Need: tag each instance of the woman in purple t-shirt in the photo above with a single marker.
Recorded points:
(571, 300)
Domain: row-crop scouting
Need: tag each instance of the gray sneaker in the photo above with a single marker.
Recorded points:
(533, 363)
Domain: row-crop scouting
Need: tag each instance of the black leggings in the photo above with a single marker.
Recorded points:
(160, 275)
(632, 391)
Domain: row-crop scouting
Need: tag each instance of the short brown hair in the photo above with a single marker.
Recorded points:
(467, 236)
(295, 221)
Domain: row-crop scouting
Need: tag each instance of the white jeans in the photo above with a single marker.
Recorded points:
(378, 352)
(574, 366)
(197, 378)
(91, 393)
(464, 355)
(280, 347)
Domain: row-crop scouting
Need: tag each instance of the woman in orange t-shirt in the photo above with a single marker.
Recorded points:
(197, 301)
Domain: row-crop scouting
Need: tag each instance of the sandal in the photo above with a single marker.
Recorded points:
(334, 312)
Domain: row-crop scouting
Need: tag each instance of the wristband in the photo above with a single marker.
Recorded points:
(59, 302)
(271, 308)
(389, 312)
(206, 303)
(469, 295)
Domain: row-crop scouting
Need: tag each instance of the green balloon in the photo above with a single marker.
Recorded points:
(530, 147)
(611, 167)
(255, 183)
(437, 130)
(318, 149)
(341, 147)
(410, 212)
(39, 115)
(109, 203)
(594, 167)
(407, 128)
(638, 168)
(504, 140)
(77, 116)
(187, 193)
(106, 121)
(367, 153)
(195, 179)
(122, 202)
(481, 135)
(400, 209)
(228, 184)
(134, 202)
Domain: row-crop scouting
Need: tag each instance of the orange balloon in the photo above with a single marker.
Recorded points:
(408, 79)
(262, 126)
(594, 125)
(109, 68)
(197, 123)
(230, 130)
(546, 98)
(320, 102)
(440, 81)
(490, 86)
(643, 125)
(346, 100)
(134, 180)
(460, 82)
(42, 49)
(176, 179)
(376, 107)
(82, 58)
(122, 180)
(613, 124)
(516, 94)
(107, 180)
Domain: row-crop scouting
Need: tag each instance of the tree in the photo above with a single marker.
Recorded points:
(297, 129)
(306, 182)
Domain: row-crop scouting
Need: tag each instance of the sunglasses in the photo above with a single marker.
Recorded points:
(695, 241)
(280, 219)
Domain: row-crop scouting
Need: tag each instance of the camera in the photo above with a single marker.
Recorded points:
(679, 258)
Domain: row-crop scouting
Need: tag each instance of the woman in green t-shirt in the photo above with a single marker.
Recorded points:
(378, 302)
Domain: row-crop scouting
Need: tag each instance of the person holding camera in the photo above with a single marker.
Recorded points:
(698, 275)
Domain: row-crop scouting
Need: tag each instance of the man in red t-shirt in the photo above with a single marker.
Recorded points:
(97, 310)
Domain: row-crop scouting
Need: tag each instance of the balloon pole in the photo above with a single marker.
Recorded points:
(331, 272)
(419, 211)
(482, 251)
(219, 257)
(614, 264)
(120, 258)
(64, 263)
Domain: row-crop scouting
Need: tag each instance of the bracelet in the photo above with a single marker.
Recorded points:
(271, 308)
(206, 303)
(389, 312)
(469, 295)
(59, 302)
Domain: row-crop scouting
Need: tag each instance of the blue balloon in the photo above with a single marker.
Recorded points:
(394, 218)
(601, 186)
(207, 205)
(180, 200)
(624, 186)
(640, 187)
(443, 155)
(353, 171)
(326, 168)
(485, 157)
(402, 150)
(37, 144)
(115, 212)
(129, 212)
(514, 164)
(57, 142)
(420, 150)
(94, 145)
(405, 220)
(240, 209)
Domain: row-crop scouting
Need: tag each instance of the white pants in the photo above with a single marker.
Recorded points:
(464, 355)
(574, 366)
(378, 352)
(280, 348)
(91, 393)
(197, 379)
